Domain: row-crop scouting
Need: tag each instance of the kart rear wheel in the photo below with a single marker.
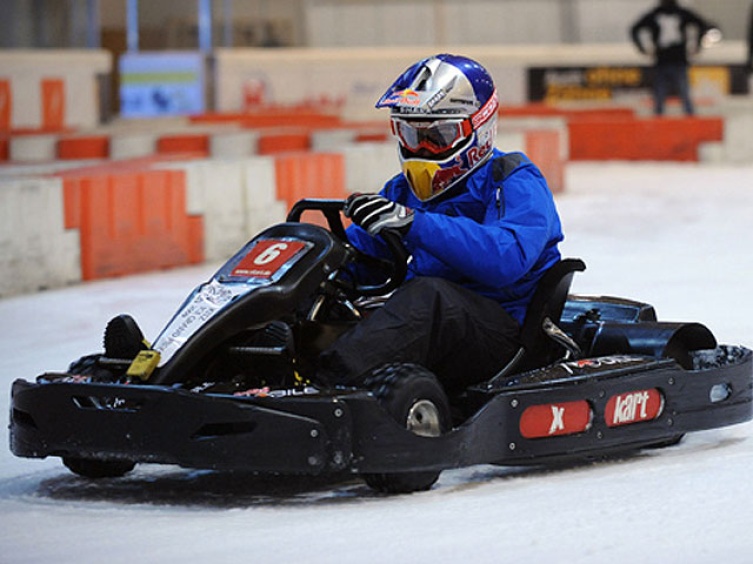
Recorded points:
(414, 397)
(90, 468)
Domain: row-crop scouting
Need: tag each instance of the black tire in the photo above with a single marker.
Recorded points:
(414, 397)
(90, 468)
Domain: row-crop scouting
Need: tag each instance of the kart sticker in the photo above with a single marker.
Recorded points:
(555, 419)
(267, 258)
(633, 407)
(199, 308)
(265, 261)
(588, 365)
(405, 97)
(267, 392)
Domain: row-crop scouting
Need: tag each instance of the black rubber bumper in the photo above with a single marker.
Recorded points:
(170, 426)
(518, 423)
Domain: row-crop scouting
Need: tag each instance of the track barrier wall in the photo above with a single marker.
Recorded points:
(131, 222)
(37, 251)
(135, 197)
(5, 105)
(656, 139)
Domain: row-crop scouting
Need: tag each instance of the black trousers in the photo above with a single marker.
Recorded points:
(462, 337)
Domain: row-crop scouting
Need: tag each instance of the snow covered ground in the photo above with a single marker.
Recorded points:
(677, 236)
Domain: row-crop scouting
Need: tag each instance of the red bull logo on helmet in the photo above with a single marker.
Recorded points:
(407, 97)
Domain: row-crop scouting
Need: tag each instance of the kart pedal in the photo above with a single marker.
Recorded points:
(278, 335)
(123, 339)
(276, 339)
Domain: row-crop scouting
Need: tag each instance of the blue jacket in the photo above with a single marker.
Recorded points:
(495, 232)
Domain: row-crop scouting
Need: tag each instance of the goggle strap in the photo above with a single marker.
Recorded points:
(486, 111)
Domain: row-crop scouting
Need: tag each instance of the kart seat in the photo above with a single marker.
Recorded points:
(541, 341)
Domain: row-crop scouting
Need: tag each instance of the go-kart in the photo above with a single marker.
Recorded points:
(229, 383)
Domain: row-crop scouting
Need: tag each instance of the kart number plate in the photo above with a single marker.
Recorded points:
(267, 257)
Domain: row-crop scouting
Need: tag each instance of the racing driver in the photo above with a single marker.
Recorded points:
(480, 225)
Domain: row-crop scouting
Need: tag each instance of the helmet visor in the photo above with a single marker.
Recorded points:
(434, 136)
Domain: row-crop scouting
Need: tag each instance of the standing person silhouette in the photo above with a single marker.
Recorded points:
(670, 34)
(750, 41)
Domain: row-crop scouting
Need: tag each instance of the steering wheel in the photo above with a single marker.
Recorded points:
(395, 268)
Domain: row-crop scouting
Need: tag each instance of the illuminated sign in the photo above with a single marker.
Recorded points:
(162, 84)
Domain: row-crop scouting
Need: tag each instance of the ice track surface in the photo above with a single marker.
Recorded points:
(677, 236)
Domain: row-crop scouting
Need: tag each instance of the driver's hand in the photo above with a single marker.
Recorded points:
(374, 213)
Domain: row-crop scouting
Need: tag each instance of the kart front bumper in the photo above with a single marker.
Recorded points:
(171, 426)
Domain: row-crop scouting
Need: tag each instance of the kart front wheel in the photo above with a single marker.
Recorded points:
(414, 397)
(90, 468)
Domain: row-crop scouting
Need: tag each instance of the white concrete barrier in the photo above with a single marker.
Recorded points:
(31, 169)
(132, 144)
(510, 141)
(236, 198)
(510, 128)
(36, 251)
(738, 138)
(73, 100)
(234, 144)
(33, 148)
(737, 145)
(369, 165)
(328, 140)
(215, 191)
(262, 208)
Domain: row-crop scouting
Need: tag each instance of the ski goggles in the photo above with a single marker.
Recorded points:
(434, 136)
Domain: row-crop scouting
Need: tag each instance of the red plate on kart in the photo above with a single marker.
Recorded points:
(633, 407)
(267, 257)
(555, 419)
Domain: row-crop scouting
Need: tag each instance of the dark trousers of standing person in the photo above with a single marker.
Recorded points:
(667, 76)
(462, 337)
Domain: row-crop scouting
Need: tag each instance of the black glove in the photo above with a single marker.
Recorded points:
(374, 213)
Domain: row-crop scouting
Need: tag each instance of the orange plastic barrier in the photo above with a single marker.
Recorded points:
(196, 144)
(372, 137)
(657, 139)
(273, 117)
(4, 148)
(53, 103)
(545, 110)
(132, 222)
(543, 148)
(5, 105)
(88, 147)
(272, 143)
(310, 175)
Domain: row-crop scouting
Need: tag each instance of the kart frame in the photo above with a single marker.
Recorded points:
(595, 376)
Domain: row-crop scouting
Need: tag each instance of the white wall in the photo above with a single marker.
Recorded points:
(359, 76)
(493, 22)
(77, 69)
(322, 23)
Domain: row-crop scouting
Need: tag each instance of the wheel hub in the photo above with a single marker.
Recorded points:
(423, 419)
